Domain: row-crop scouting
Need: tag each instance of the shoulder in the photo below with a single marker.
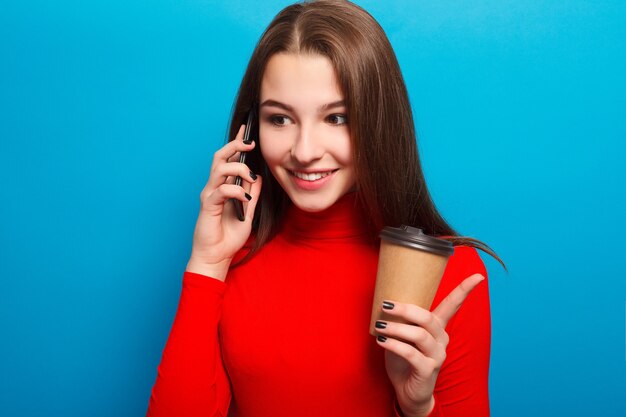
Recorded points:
(464, 262)
(249, 253)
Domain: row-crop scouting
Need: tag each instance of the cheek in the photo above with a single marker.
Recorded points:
(342, 149)
(273, 148)
(344, 155)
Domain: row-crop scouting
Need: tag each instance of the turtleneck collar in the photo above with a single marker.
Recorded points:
(343, 220)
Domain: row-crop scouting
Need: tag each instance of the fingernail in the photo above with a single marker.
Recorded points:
(382, 339)
(387, 305)
(253, 175)
(381, 324)
(247, 142)
(248, 196)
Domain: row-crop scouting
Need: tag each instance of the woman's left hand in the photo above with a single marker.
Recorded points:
(415, 352)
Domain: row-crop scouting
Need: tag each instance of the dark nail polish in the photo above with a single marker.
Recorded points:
(248, 196)
(387, 305)
(253, 175)
(381, 338)
(247, 142)
(381, 324)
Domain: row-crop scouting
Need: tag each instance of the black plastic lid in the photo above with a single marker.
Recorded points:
(415, 238)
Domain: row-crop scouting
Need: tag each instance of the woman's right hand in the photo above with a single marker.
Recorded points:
(219, 234)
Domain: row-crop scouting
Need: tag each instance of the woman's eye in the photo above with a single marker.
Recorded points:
(279, 120)
(337, 119)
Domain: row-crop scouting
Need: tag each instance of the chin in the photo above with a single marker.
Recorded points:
(312, 203)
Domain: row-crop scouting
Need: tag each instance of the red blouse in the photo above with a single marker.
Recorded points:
(287, 333)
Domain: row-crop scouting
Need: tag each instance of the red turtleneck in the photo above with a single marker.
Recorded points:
(287, 333)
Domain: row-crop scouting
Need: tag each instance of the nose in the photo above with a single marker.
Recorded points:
(307, 146)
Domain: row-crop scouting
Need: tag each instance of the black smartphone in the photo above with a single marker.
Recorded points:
(248, 136)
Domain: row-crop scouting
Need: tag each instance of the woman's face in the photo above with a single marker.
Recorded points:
(304, 134)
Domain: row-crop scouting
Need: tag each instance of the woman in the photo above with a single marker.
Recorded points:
(274, 313)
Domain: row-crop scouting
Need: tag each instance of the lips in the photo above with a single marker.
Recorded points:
(312, 181)
(311, 176)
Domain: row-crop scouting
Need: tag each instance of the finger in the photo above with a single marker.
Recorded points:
(231, 180)
(234, 158)
(255, 193)
(236, 145)
(223, 171)
(247, 185)
(418, 336)
(417, 360)
(451, 304)
(223, 193)
(417, 315)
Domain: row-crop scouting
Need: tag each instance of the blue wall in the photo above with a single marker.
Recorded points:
(110, 112)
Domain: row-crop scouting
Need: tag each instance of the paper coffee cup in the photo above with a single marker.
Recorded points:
(410, 267)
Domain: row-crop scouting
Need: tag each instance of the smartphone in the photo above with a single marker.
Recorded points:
(248, 136)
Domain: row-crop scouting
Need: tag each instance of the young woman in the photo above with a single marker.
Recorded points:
(274, 313)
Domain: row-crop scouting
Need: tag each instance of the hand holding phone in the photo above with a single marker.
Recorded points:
(219, 233)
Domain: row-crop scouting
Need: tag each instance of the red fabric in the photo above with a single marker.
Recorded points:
(287, 333)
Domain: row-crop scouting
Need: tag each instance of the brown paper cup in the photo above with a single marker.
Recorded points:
(408, 272)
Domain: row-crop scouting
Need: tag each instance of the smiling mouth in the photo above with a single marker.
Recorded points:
(311, 176)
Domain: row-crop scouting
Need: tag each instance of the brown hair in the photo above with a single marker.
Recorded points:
(390, 183)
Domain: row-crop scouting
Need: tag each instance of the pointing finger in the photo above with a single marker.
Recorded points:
(451, 304)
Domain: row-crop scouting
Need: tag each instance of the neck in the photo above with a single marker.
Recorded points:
(343, 220)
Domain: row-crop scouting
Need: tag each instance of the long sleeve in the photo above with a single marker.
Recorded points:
(462, 384)
(292, 324)
(191, 379)
(462, 387)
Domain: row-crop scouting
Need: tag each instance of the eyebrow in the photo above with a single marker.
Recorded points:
(322, 108)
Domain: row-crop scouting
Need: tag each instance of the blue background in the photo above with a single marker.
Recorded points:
(110, 112)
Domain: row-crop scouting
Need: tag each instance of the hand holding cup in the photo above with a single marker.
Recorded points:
(415, 343)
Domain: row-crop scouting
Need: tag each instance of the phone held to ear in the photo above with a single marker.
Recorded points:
(247, 138)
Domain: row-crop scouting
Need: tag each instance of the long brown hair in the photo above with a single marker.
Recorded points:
(390, 183)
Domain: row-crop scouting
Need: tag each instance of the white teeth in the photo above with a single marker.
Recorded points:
(312, 176)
